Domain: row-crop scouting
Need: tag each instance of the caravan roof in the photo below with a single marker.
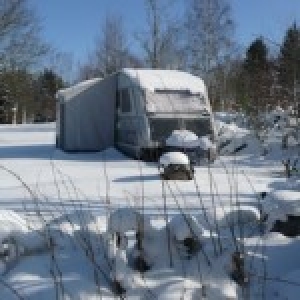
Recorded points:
(173, 80)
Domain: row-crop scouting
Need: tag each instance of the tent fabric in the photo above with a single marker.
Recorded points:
(88, 115)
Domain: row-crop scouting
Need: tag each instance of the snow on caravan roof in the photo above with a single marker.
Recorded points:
(166, 80)
(69, 93)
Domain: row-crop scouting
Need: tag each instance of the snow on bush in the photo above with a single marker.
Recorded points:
(125, 219)
(231, 138)
(173, 158)
(184, 226)
(242, 214)
(186, 139)
(182, 139)
(16, 239)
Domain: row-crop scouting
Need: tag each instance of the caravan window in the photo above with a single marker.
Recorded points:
(125, 104)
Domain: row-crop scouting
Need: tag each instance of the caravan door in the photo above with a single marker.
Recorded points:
(127, 124)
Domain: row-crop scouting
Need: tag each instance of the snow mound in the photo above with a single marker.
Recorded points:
(180, 288)
(11, 224)
(188, 140)
(245, 215)
(232, 139)
(126, 219)
(173, 158)
(287, 201)
(16, 239)
(182, 139)
(205, 143)
(185, 226)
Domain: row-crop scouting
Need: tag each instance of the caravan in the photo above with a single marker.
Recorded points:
(135, 110)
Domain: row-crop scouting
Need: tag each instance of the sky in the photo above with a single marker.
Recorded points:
(72, 26)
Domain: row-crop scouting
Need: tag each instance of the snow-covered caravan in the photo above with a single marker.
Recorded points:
(152, 104)
(135, 110)
(85, 115)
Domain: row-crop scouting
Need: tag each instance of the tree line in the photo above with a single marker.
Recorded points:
(26, 95)
(192, 35)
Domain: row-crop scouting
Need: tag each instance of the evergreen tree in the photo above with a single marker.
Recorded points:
(46, 86)
(257, 77)
(289, 63)
(4, 101)
(256, 57)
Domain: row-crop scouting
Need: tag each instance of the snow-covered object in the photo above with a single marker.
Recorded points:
(121, 272)
(180, 288)
(231, 138)
(244, 215)
(185, 226)
(16, 239)
(182, 139)
(251, 217)
(172, 80)
(69, 93)
(14, 227)
(125, 219)
(205, 143)
(188, 140)
(222, 289)
(287, 201)
(290, 137)
(276, 116)
(173, 158)
(11, 224)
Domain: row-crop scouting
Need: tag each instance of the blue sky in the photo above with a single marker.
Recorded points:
(72, 25)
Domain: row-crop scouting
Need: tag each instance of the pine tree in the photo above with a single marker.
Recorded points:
(257, 76)
(46, 86)
(289, 63)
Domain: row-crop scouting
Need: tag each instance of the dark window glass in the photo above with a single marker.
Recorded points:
(125, 101)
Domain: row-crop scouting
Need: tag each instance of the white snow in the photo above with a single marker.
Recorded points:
(68, 93)
(78, 201)
(188, 140)
(173, 158)
(123, 220)
(185, 226)
(183, 139)
(166, 80)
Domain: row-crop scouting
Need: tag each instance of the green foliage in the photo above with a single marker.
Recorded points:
(289, 58)
(256, 57)
(46, 86)
(33, 97)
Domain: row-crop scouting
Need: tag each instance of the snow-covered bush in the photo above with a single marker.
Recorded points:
(186, 232)
(197, 148)
(16, 239)
(231, 138)
(175, 165)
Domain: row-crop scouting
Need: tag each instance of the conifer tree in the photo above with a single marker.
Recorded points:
(289, 63)
(258, 76)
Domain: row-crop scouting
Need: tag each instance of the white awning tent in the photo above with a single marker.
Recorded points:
(85, 115)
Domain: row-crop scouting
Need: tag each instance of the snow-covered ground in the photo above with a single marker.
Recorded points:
(65, 201)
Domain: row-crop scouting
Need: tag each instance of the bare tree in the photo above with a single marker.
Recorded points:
(209, 30)
(20, 43)
(161, 40)
(62, 63)
(111, 52)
